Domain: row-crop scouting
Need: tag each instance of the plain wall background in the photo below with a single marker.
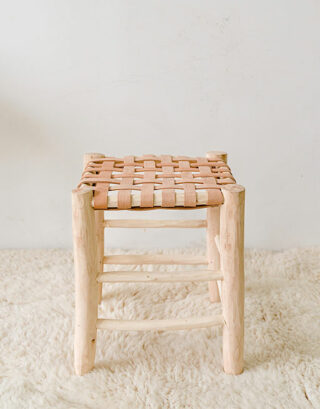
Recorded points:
(180, 77)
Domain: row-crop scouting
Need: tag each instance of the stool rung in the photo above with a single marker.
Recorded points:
(160, 325)
(158, 277)
(154, 259)
(127, 223)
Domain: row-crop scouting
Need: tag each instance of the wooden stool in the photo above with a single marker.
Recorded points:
(146, 182)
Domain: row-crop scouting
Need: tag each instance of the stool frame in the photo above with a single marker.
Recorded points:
(224, 266)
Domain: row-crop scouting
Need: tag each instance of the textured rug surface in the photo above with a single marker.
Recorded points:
(160, 370)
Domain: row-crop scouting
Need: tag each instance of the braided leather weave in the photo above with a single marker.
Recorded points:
(149, 174)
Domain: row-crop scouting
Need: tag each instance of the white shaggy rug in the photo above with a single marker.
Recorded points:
(160, 370)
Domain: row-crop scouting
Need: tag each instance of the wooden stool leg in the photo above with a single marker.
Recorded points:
(213, 231)
(99, 215)
(213, 222)
(86, 286)
(99, 218)
(232, 265)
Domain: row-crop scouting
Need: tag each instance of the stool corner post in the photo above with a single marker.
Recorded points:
(232, 266)
(86, 286)
(222, 155)
(87, 157)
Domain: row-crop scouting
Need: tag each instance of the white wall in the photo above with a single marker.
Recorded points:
(156, 76)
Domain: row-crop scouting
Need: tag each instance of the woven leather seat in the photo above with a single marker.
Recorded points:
(156, 181)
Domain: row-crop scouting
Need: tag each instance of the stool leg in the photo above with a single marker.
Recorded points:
(232, 265)
(99, 217)
(213, 230)
(213, 217)
(86, 286)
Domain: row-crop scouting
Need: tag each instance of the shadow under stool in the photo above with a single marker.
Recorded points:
(154, 182)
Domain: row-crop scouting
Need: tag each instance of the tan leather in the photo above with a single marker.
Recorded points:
(149, 173)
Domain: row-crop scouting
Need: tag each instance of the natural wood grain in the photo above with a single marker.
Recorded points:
(99, 218)
(218, 155)
(213, 232)
(160, 325)
(138, 223)
(86, 286)
(154, 259)
(159, 277)
(232, 265)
